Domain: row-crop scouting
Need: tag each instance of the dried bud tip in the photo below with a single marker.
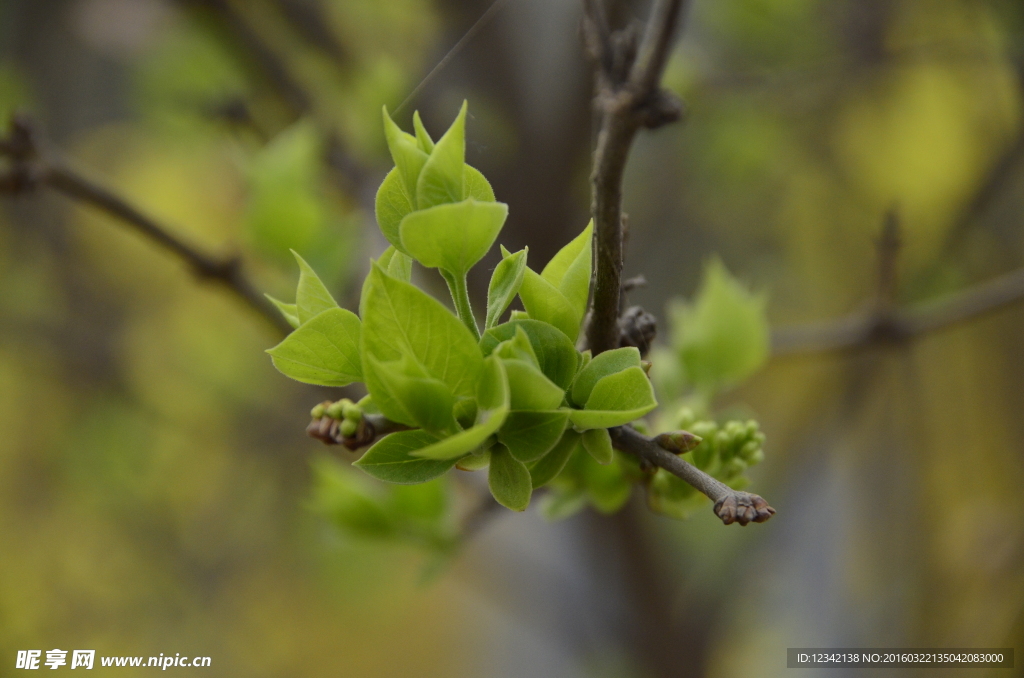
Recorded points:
(679, 442)
(743, 508)
(323, 429)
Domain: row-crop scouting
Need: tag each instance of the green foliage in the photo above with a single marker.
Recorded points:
(520, 401)
(727, 451)
(722, 338)
(558, 295)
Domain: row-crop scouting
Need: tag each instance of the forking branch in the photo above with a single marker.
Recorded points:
(31, 166)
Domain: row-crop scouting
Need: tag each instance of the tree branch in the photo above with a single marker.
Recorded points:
(30, 168)
(730, 505)
(862, 330)
(627, 97)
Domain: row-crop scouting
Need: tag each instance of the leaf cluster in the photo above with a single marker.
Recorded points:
(519, 399)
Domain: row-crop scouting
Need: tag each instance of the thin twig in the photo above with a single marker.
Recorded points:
(730, 505)
(30, 167)
(867, 329)
(624, 105)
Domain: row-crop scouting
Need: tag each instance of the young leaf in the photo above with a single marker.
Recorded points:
(518, 348)
(723, 338)
(531, 435)
(493, 399)
(393, 202)
(399, 319)
(423, 139)
(604, 364)
(312, 297)
(453, 236)
(348, 499)
(474, 462)
(391, 460)
(400, 266)
(555, 353)
(551, 464)
(598, 443)
(608, 487)
(322, 351)
(561, 504)
(289, 311)
(509, 480)
(406, 394)
(530, 389)
(569, 270)
(441, 180)
(476, 186)
(405, 151)
(616, 400)
(544, 302)
(505, 283)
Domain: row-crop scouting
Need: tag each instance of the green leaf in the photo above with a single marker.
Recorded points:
(544, 302)
(349, 502)
(604, 364)
(608, 487)
(441, 180)
(323, 351)
(509, 480)
(551, 464)
(493, 399)
(562, 504)
(400, 319)
(530, 389)
(616, 400)
(423, 139)
(400, 266)
(505, 283)
(555, 353)
(569, 270)
(453, 236)
(406, 394)
(393, 202)
(405, 151)
(723, 338)
(476, 185)
(285, 207)
(289, 311)
(424, 501)
(391, 459)
(474, 462)
(531, 435)
(518, 348)
(598, 443)
(312, 297)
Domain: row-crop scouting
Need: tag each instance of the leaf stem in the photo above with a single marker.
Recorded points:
(460, 295)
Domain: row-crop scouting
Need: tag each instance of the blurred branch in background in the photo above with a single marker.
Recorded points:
(31, 166)
(884, 323)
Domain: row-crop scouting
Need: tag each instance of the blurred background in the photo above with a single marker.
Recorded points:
(158, 493)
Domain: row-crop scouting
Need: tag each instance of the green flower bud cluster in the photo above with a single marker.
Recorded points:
(727, 451)
(344, 411)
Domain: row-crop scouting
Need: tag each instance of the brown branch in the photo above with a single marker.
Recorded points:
(627, 97)
(862, 330)
(29, 167)
(730, 505)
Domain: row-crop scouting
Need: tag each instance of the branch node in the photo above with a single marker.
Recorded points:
(637, 328)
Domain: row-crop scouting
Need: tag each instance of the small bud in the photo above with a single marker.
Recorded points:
(320, 410)
(646, 365)
(348, 428)
(335, 410)
(351, 411)
(679, 442)
(743, 508)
